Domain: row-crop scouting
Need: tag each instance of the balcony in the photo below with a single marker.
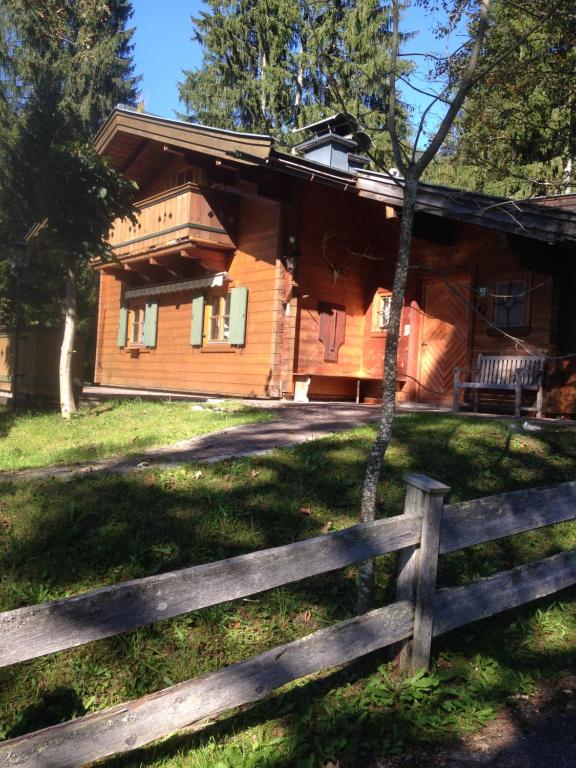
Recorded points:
(183, 215)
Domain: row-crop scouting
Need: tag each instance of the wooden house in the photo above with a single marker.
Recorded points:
(258, 273)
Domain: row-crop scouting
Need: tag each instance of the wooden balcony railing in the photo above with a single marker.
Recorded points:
(183, 214)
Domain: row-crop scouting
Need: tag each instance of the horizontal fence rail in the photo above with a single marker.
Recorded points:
(494, 517)
(26, 633)
(456, 606)
(128, 726)
(426, 530)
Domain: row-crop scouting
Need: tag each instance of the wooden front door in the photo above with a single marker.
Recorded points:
(444, 338)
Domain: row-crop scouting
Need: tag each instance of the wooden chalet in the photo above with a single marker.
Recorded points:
(258, 273)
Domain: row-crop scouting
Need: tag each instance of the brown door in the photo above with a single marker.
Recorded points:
(444, 337)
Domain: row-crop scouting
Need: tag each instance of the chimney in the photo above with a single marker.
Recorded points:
(335, 141)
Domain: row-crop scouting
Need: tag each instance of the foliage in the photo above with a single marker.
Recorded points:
(273, 65)
(516, 136)
(72, 63)
(116, 427)
(60, 538)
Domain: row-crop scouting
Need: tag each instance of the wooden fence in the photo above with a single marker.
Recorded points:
(427, 529)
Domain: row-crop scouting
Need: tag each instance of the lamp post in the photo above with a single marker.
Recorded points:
(17, 252)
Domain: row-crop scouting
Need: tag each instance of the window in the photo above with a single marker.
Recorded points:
(137, 324)
(219, 317)
(510, 306)
(381, 311)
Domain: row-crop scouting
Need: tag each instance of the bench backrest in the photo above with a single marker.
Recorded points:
(501, 369)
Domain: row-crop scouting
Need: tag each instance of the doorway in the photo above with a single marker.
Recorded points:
(444, 337)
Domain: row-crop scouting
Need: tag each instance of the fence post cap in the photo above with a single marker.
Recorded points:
(427, 484)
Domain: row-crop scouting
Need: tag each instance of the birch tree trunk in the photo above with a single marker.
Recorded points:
(67, 401)
(386, 422)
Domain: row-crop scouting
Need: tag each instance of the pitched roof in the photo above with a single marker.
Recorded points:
(126, 135)
(124, 131)
(526, 218)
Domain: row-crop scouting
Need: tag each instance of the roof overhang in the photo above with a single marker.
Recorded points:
(515, 217)
(124, 130)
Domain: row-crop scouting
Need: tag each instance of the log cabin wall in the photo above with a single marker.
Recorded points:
(173, 363)
(477, 263)
(335, 229)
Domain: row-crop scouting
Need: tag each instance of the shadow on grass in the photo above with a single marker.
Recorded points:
(67, 537)
(346, 719)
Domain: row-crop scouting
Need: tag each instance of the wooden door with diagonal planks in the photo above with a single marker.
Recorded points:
(444, 337)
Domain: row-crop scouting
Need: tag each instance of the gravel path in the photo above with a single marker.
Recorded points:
(292, 424)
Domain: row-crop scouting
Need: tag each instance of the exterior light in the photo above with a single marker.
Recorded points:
(292, 256)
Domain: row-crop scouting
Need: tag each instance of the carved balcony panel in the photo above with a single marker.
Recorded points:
(182, 215)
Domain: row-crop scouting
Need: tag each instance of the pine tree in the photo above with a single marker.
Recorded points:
(273, 65)
(517, 134)
(245, 82)
(73, 64)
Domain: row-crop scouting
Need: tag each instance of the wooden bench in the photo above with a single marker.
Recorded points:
(504, 372)
(302, 383)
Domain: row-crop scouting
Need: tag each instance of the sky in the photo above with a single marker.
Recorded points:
(163, 49)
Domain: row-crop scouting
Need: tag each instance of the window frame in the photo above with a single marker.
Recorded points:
(138, 324)
(376, 328)
(224, 299)
(136, 319)
(503, 286)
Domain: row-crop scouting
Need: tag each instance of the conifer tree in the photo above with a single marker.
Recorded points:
(272, 65)
(245, 80)
(517, 134)
(73, 64)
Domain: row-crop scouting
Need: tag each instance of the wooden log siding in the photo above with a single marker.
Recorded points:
(26, 633)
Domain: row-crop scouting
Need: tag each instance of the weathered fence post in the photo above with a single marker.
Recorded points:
(418, 566)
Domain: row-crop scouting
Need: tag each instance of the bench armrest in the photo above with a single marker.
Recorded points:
(460, 370)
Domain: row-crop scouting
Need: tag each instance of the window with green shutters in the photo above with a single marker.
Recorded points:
(219, 318)
(138, 324)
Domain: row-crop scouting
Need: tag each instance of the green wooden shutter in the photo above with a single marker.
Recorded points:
(197, 328)
(123, 327)
(150, 323)
(238, 306)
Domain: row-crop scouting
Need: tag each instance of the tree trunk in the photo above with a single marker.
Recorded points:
(67, 401)
(387, 416)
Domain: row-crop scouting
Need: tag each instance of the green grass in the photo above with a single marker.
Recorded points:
(111, 428)
(60, 538)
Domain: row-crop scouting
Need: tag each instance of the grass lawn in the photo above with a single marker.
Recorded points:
(111, 428)
(57, 539)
